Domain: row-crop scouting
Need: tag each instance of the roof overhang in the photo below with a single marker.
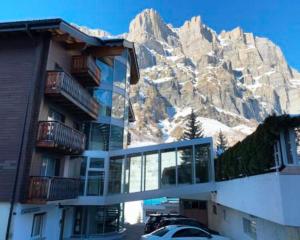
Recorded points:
(73, 38)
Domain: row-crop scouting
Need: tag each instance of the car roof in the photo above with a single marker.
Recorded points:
(173, 227)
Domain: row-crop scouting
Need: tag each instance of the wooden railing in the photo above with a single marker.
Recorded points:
(43, 189)
(61, 83)
(85, 67)
(56, 135)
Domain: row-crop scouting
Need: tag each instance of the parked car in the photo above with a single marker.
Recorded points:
(184, 221)
(177, 232)
(154, 219)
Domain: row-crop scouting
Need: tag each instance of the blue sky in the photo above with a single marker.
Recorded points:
(276, 19)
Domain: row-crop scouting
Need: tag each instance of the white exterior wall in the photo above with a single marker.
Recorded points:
(229, 222)
(22, 222)
(274, 197)
(4, 212)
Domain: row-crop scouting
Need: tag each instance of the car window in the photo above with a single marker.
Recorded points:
(160, 232)
(190, 232)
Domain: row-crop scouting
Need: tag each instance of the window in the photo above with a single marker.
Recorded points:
(116, 138)
(202, 156)
(50, 166)
(214, 209)
(185, 158)
(151, 170)
(249, 228)
(135, 175)
(54, 115)
(95, 183)
(38, 225)
(96, 162)
(168, 167)
(98, 136)
(104, 98)
(120, 69)
(190, 232)
(106, 72)
(115, 174)
(118, 106)
(161, 232)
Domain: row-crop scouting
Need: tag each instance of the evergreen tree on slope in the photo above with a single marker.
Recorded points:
(193, 128)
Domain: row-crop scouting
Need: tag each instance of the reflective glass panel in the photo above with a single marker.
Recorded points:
(151, 170)
(120, 69)
(135, 175)
(168, 167)
(118, 106)
(106, 72)
(98, 136)
(116, 138)
(95, 183)
(202, 156)
(96, 162)
(184, 161)
(115, 175)
(104, 98)
(82, 174)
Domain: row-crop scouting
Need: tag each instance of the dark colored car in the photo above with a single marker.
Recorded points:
(154, 220)
(184, 221)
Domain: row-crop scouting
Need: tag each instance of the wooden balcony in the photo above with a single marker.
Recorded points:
(59, 137)
(85, 69)
(67, 92)
(44, 189)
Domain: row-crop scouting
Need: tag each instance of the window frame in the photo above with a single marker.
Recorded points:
(41, 226)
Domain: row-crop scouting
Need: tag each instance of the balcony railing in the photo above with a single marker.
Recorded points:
(67, 91)
(84, 67)
(58, 136)
(43, 189)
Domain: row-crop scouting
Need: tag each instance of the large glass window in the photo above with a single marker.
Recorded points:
(202, 155)
(135, 175)
(106, 72)
(98, 136)
(116, 138)
(95, 183)
(96, 162)
(168, 167)
(95, 220)
(83, 167)
(104, 98)
(185, 169)
(151, 170)
(115, 175)
(120, 69)
(118, 106)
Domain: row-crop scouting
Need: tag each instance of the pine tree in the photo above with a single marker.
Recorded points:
(193, 128)
(222, 143)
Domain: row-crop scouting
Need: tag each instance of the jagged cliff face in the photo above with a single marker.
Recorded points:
(232, 80)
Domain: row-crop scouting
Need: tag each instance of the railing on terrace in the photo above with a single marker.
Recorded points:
(67, 91)
(43, 189)
(56, 135)
(85, 68)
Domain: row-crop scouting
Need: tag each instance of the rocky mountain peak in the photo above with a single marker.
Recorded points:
(147, 26)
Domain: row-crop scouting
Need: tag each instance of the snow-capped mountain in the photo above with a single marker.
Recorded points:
(232, 80)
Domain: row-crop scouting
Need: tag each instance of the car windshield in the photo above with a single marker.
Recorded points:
(160, 232)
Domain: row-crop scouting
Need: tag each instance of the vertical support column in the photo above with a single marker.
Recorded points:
(212, 163)
(159, 169)
(106, 174)
(193, 166)
(176, 160)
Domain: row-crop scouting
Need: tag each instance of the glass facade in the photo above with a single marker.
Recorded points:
(92, 221)
(184, 162)
(162, 168)
(95, 183)
(168, 167)
(135, 174)
(104, 98)
(151, 170)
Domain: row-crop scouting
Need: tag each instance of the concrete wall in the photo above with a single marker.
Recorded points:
(4, 212)
(229, 222)
(22, 222)
(273, 196)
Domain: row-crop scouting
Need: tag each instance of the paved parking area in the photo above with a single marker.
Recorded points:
(134, 232)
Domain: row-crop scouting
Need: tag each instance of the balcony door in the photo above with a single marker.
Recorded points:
(50, 166)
